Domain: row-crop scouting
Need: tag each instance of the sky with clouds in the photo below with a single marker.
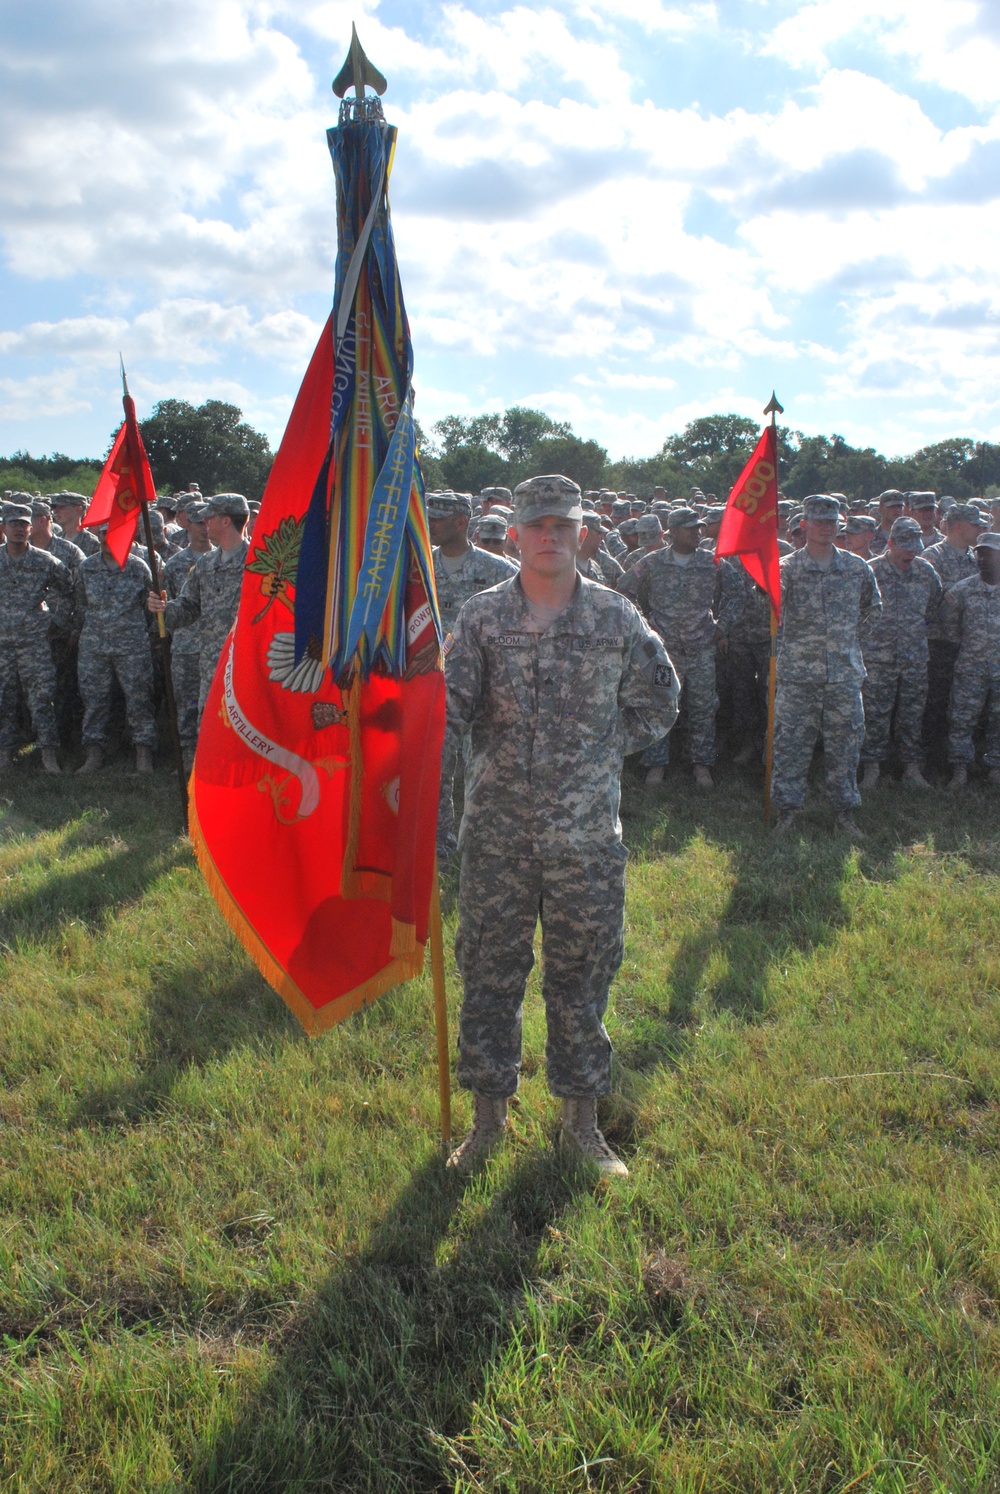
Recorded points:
(625, 212)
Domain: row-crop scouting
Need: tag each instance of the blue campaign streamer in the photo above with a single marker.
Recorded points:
(384, 535)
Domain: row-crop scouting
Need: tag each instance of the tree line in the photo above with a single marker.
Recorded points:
(213, 445)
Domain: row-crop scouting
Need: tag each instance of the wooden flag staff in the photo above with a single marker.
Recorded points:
(773, 409)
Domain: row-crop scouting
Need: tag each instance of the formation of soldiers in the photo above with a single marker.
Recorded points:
(889, 648)
(81, 661)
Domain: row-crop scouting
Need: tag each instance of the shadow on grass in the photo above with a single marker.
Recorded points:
(387, 1359)
(193, 1017)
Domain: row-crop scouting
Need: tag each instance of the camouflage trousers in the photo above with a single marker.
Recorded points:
(581, 904)
(186, 679)
(748, 668)
(905, 687)
(699, 703)
(97, 667)
(801, 713)
(446, 838)
(971, 692)
(27, 662)
(940, 673)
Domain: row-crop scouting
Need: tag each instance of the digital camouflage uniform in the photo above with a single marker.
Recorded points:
(749, 659)
(114, 644)
(68, 702)
(820, 672)
(894, 647)
(953, 564)
(479, 571)
(688, 605)
(36, 599)
(184, 651)
(210, 597)
(549, 718)
(87, 541)
(972, 614)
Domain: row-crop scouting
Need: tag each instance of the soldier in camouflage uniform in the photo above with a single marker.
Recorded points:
(491, 533)
(972, 611)
(553, 679)
(693, 603)
(954, 560)
(460, 571)
(826, 596)
(594, 562)
(857, 535)
(36, 601)
(894, 647)
(114, 645)
(68, 702)
(211, 594)
(749, 661)
(68, 509)
(185, 644)
(650, 533)
(923, 508)
(890, 508)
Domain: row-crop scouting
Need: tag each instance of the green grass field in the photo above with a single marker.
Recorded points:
(230, 1258)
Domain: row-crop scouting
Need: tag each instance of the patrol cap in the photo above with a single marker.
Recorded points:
(497, 495)
(715, 513)
(860, 524)
(168, 504)
(157, 523)
(682, 518)
(820, 506)
(68, 500)
(588, 504)
(967, 513)
(891, 498)
(637, 506)
(233, 504)
(648, 524)
(445, 504)
(549, 496)
(906, 534)
(492, 526)
(945, 502)
(13, 512)
(630, 526)
(989, 541)
(922, 500)
(621, 508)
(786, 507)
(253, 505)
(197, 512)
(40, 509)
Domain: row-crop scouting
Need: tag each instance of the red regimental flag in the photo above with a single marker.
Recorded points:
(124, 483)
(314, 805)
(750, 524)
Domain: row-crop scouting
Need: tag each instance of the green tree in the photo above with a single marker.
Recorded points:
(210, 444)
(583, 461)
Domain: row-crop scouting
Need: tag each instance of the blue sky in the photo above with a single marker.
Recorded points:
(625, 212)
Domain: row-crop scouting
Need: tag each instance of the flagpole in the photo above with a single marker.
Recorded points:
(772, 663)
(175, 736)
(440, 1010)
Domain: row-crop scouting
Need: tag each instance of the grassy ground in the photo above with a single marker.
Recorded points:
(230, 1258)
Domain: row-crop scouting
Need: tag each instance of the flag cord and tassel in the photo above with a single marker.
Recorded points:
(440, 1010)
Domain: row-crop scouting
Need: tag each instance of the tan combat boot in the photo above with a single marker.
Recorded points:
(871, 774)
(959, 778)
(50, 761)
(581, 1132)
(703, 776)
(654, 777)
(143, 759)
(913, 776)
(94, 760)
(844, 825)
(488, 1125)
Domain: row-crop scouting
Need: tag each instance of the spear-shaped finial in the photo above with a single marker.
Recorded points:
(772, 407)
(121, 360)
(357, 71)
